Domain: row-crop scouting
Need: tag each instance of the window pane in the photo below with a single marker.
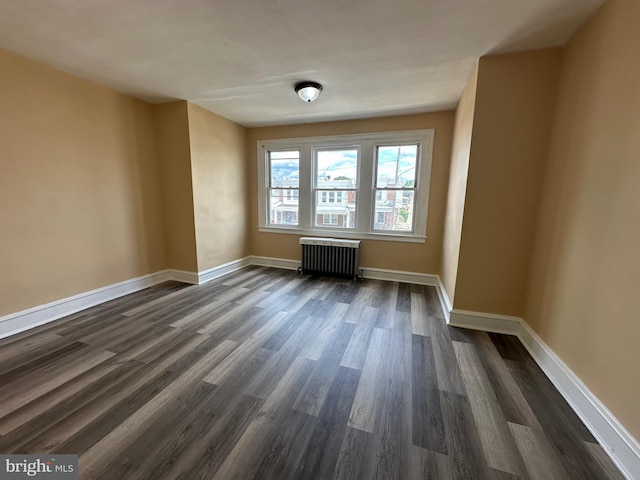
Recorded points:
(337, 168)
(337, 209)
(330, 219)
(394, 210)
(283, 207)
(285, 169)
(396, 166)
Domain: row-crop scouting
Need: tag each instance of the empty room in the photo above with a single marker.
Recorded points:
(330, 240)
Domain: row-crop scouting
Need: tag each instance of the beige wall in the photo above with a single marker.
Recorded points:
(219, 177)
(515, 101)
(80, 205)
(457, 190)
(174, 156)
(583, 294)
(425, 257)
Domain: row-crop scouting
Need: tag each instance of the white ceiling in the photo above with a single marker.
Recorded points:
(241, 58)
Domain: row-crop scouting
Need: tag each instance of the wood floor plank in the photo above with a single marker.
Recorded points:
(399, 362)
(313, 395)
(393, 436)
(287, 442)
(266, 373)
(16, 354)
(200, 314)
(355, 458)
(434, 309)
(147, 345)
(428, 465)
(403, 301)
(428, 430)
(245, 458)
(604, 461)
(495, 437)
(419, 317)
(322, 452)
(140, 455)
(21, 392)
(540, 394)
(288, 327)
(271, 371)
(49, 403)
(226, 368)
(539, 457)
(160, 301)
(446, 362)
(54, 424)
(213, 434)
(233, 312)
(356, 351)
(463, 443)
(575, 456)
(313, 350)
(73, 421)
(98, 456)
(370, 394)
(508, 394)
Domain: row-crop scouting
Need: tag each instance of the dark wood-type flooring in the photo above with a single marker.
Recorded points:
(266, 374)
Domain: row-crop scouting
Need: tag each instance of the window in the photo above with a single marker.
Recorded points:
(357, 186)
(330, 219)
(335, 178)
(395, 187)
(284, 175)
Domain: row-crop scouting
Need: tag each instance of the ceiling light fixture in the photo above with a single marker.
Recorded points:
(308, 91)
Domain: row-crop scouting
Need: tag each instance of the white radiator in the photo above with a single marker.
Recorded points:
(331, 256)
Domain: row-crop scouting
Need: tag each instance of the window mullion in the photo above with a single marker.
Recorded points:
(305, 183)
(364, 213)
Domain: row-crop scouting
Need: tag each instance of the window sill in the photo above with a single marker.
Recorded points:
(386, 237)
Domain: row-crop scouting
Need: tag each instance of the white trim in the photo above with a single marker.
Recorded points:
(399, 276)
(215, 272)
(445, 303)
(486, 322)
(346, 233)
(183, 276)
(33, 317)
(283, 263)
(367, 272)
(619, 444)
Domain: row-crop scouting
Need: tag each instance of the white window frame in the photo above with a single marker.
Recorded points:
(365, 192)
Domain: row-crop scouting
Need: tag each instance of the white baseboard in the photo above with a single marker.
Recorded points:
(283, 263)
(399, 276)
(367, 272)
(486, 322)
(198, 278)
(619, 444)
(215, 272)
(184, 276)
(445, 303)
(36, 316)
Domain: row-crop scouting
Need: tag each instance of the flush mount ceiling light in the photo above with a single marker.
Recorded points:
(308, 91)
